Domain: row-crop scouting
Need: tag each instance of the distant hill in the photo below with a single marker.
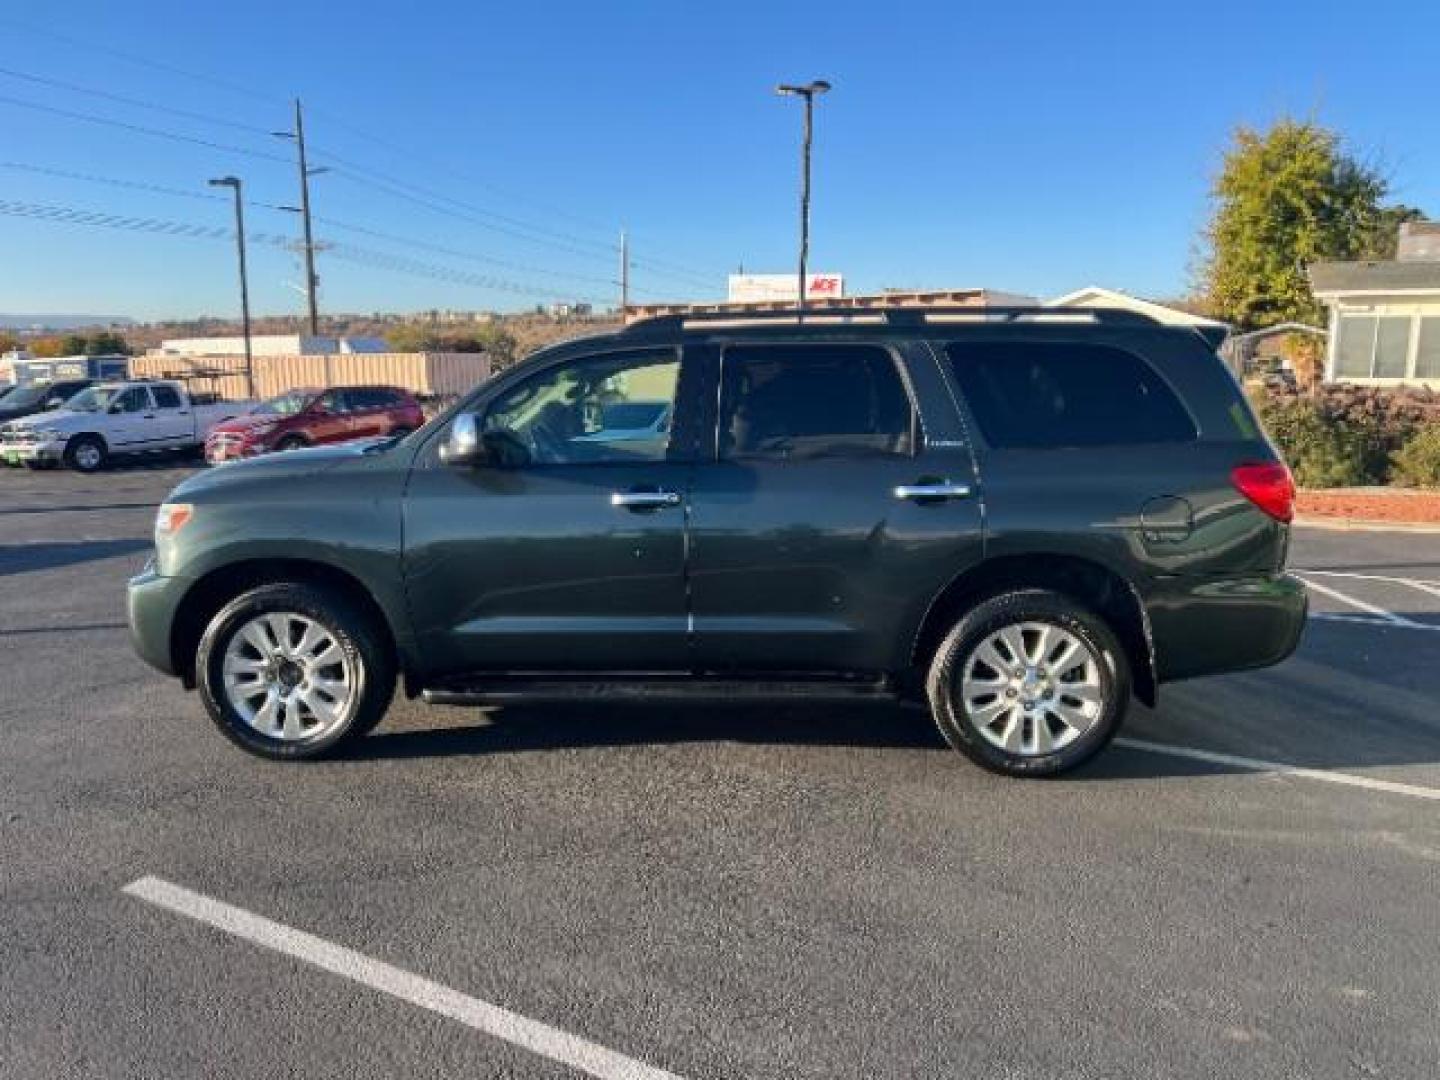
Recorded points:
(26, 321)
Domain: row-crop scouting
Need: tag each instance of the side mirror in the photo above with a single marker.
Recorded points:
(462, 445)
(53, 404)
(116, 407)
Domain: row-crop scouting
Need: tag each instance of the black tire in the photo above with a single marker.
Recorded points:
(78, 455)
(1030, 605)
(352, 629)
(291, 442)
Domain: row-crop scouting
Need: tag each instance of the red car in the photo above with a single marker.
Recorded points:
(313, 417)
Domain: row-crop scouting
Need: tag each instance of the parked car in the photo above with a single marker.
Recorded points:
(108, 419)
(303, 418)
(1019, 517)
(26, 400)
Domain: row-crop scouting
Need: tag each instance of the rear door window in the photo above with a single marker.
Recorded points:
(806, 401)
(136, 399)
(1036, 395)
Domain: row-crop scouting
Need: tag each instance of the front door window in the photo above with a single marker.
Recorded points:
(609, 409)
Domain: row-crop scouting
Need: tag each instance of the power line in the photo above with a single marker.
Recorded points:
(334, 223)
(440, 249)
(133, 185)
(514, 227)
(143, 61)
(454, 208)
(105, 121)
(68, 215)
(138, 103)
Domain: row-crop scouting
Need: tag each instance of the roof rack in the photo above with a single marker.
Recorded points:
(893, 316)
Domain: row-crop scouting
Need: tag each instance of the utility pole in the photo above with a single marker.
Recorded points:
(312, 282)
(624, 274)
(808, 92)
(233, 182)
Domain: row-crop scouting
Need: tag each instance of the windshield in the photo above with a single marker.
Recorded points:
(93, 399)
(23, 396)
(284, 405)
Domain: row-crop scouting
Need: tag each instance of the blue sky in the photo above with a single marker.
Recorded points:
(1031, 147)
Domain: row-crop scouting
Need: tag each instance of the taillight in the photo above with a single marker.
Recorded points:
(1268, 485)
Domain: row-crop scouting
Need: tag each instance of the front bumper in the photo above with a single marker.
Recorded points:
(151, 603)
(1211, 625)
(50, 452)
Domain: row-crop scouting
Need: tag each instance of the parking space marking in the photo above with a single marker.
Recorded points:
(1280, 768)
(531, 1035)
(1424, 585)
(1370, 620)
(1362, 605)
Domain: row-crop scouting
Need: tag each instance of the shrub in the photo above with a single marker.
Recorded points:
(1418, 461)
(1343, 435)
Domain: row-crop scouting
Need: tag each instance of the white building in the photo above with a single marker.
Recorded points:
(1385, 316)
(269, 345)
(1094, 296)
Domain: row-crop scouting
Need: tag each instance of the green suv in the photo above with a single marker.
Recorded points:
(1020, 517)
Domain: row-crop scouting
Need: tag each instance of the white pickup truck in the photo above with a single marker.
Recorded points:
(134, 417)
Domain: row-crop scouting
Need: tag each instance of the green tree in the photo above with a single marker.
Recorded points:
(1287, 197)
(106, 343)
(477, 338)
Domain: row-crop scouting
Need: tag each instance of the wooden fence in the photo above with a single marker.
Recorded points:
(425, 374)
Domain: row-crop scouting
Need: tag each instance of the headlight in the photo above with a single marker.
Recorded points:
(47, 435)
(171, 518)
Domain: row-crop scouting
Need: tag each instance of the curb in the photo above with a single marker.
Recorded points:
(1338, 524)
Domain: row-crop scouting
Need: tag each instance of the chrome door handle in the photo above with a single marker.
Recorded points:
(936, 491)
(644, 500)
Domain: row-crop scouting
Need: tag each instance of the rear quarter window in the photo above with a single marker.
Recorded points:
(1037, 395)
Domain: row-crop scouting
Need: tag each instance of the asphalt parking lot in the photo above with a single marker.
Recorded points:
(800, 892)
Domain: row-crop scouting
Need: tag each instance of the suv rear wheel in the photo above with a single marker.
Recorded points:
(1029, 683)
(292, 671)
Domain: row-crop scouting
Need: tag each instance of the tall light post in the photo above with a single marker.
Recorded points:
(808, 92)
(233, 182)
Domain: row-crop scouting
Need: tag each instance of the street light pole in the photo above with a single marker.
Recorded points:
(808, 92)
(233, 182)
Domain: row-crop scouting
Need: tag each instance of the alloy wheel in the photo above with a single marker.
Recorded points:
(288, 678)
(1032, 688)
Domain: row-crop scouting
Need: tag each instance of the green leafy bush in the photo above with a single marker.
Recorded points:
(1418, 462)
(1344, 436)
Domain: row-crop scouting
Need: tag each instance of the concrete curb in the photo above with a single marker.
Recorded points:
(1338, 524)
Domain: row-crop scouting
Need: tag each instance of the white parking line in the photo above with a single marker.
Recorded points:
(1370, 620)
(1424, 585)
(1362, 605)
(1281, 768)
(531, 1035)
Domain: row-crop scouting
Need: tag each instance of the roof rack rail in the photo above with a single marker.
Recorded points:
(893, 316)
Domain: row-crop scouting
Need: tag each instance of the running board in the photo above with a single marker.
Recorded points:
(499, 690)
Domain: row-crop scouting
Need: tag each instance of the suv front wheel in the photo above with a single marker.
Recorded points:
(291, 671)
(1029, 683)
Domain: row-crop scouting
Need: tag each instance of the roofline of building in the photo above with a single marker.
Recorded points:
(863, 301)
(1124, 298)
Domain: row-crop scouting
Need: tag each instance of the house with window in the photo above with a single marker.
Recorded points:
(1385, 316)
